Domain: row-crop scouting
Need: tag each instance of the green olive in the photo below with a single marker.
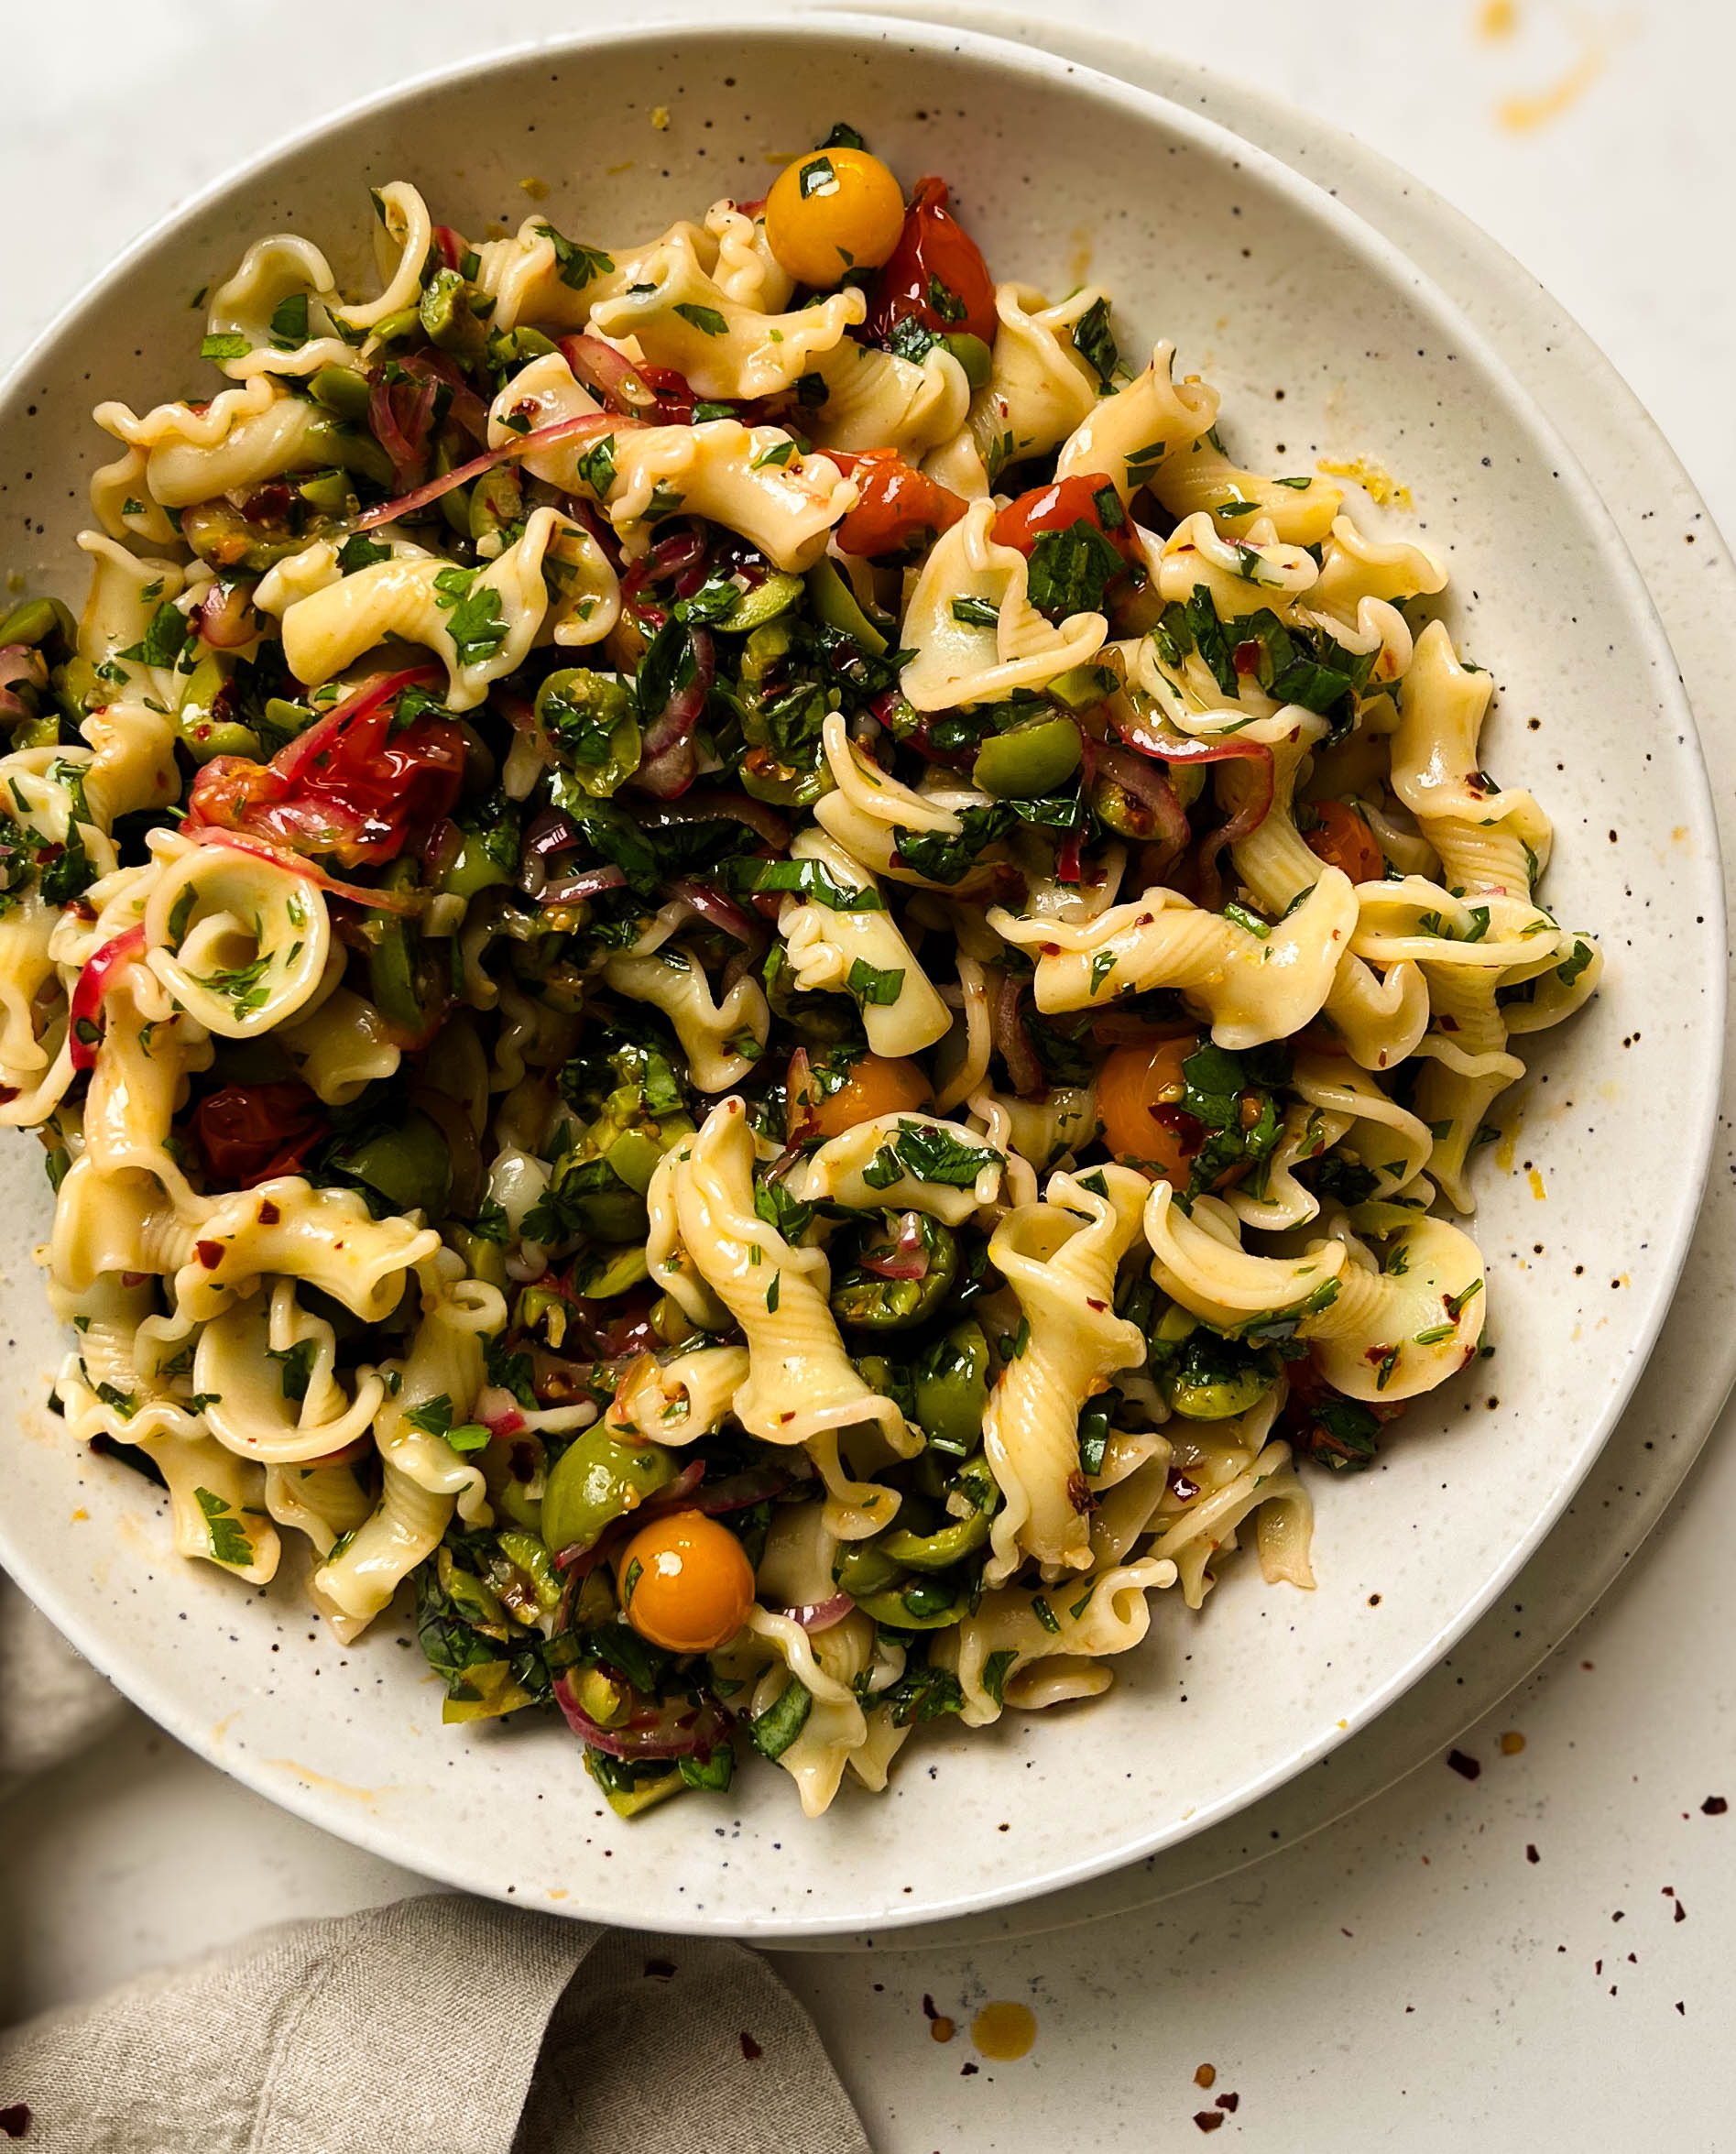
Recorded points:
(483, 1259)
(598, 1478)
(836, 606)
(863, 1301)
(951, 1383)
(202, 729)
(1030, 762)
(474, 868)
(409, 1166)
(450, 319)
(939, 1550)
(1082, 687)
(1212, 1378)
(341, 391)
(39, 621)
(329, 440)
(973, 355)
(497, 500)
(919, 1604)
(590, 718)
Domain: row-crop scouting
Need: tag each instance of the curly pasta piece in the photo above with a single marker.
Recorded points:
(802, 1383)
(1203, 480)
(1060, 1258)
(861, 953)
(722, 1041)
(273, 270)
(1253, 988)
(1030, 1650)
(241, 943)
(267, 1369)
(838, 1173)
(678, 1400)
(1125, 436)
(967, 662)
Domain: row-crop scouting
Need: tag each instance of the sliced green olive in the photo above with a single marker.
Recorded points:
(330, 440)
(484, 1259)
(341, 391)
(1081, 687)
(863, 1301)
(1030, 762)
(764, 602)
(973, 355)
(609, 1272)
(473, 868)
(497, 500)
(920, 1604)
(450, 319)
(40, 621)
(590, 718)
(1212, 1378)
(951, 1388)
(836, 604)
(940, 1550)
(409, 1166)
(598, 1478)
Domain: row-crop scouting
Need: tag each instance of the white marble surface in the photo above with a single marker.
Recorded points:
(1409, 1978)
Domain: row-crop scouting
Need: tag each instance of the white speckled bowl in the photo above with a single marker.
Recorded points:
(1324, 341)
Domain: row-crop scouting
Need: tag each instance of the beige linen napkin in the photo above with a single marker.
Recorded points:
(439, 2026)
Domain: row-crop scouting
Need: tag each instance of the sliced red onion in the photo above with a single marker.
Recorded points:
(20, 667)
(668, 764)
(549, 833)
(375, 900)
(705, 1731)
(1180, 747)
(610, 373)
(712, 905)
(820, 1615)
(1066, 859)
(591, 883)
(84, 1019)
(669, 558)
(907, 1258)
(1007, 1029)
(225, 616)
(465, 406)
(717, 807)
(1151, 789)
(583, 426)
(450, 244)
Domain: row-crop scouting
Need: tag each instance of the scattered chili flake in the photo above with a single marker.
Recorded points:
(1205, 2076)
(1230, 2101)
(660, 1969)
(968, 2071)
(210, 1253)
(1714, 1807)
(1464, 1764)
(749, 2048)
(1681, 1912)
(14, 2120)
(1208, 2120)
(1531, 1853)
(268, 1213)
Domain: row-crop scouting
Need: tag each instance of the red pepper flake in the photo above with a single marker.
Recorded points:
(1463, 1763)
(1531, 1853)
(1681, 1912)
(268, 1213)
(1247, 657)
(1681, 2007)
(1230, 2102)
(15, 2121)
(1714, 1807)
(968, 2071)
(659, 1970)
(1208, 2120)
(1618, 1914)
(750, 2048)
(1091, 1303)
(8, 1093)
(210, 1253)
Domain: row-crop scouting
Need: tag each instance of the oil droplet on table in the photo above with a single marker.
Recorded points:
(1004, 2031)
(1497, 19)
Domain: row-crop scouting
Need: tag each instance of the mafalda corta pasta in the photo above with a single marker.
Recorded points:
(742, 980)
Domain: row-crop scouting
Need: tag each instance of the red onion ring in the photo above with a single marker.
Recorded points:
(610, 373)
(719, 807)
(375, 900)
(1007, 1029)
(584, 426)
(450, 244)
(549, 833)
(1183, 749)
(1151, 789)
(591, 883)
(466, 407)
(668, 764)
(704, 1732)
(712, 905)
(668, 558)
(93, 983)
(820, 1615)
(907, 1258)
(20, 667)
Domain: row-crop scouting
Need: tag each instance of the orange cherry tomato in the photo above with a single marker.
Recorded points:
(1139, 1094)
(875, 1086)
(1057, 508)
(686, 1582)
(832, 211)
(936, 274)
(897, 504)
(1343, 839)
(247, 1134)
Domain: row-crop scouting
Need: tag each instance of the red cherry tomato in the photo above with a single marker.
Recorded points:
(935, 275)
(1343, 839)
(348, 786)
(1057, 508)
(897, 505)
(247, 1134)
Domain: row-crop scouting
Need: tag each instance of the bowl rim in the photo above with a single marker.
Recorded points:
(1389, 265)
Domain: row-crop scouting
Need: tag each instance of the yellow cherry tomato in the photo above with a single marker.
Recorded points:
(875, 1086)
(832, 210)
(686, 1582)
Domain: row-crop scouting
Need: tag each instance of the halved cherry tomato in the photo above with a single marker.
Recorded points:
(832, 211)
(877, 1085)
(686, 1584)
(247, 1134)
(935, 275)
(348, 786)
(1343, 839)
(1139, 1091)
(1058, 506)
(897, 504)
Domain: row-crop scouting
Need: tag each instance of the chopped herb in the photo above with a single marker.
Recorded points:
(579, 265)
(295, 1368)
(229, 1542)
(874, 984)
(975, 613)
(165, 640)
(1102, 964)
(707, 320)
(1456, 1303)
(777, 1728)
(358, 551)
(596, 468)
(995, 1669)
(1094, 340)
(289, 323)
(1071, 570)
(931, 1154)
(226, 347)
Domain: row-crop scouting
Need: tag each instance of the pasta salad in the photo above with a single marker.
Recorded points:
(730, 959)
